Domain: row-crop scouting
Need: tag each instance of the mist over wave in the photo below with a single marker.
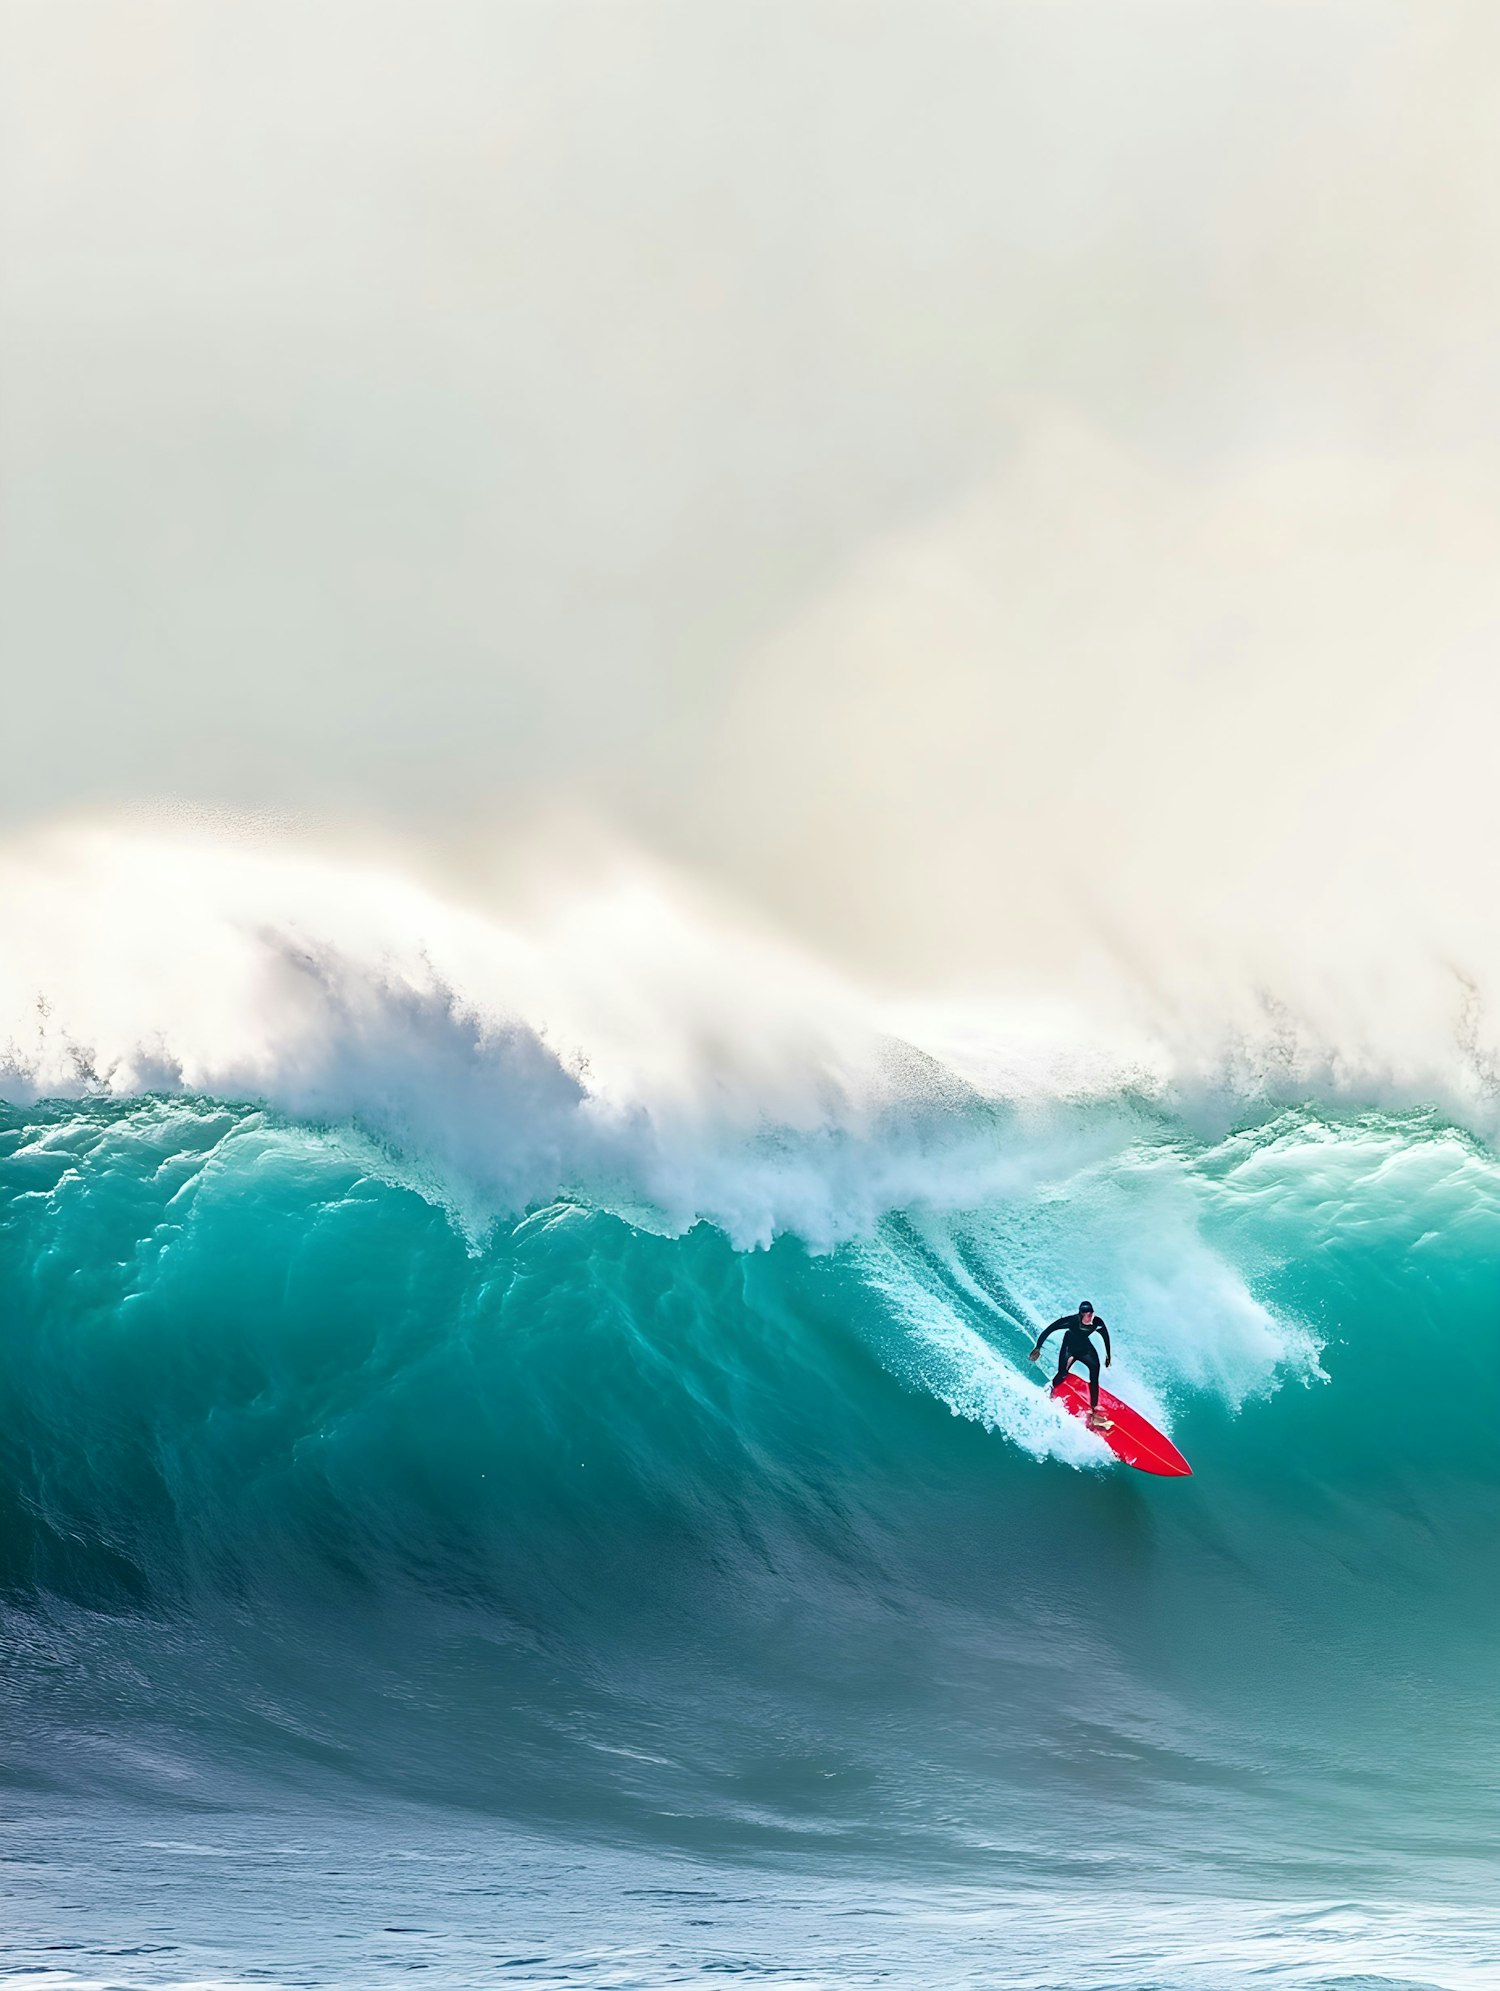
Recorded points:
(634, 1040)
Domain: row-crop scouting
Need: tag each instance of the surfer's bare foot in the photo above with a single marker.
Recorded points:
(1099, 1422)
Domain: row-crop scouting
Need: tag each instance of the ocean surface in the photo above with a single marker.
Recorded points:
(452, 1523)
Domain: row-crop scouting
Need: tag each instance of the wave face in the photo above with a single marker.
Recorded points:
(643, 1536)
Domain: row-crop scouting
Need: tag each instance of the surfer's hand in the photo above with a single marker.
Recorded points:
(1109, 1361)
(1033, 1355)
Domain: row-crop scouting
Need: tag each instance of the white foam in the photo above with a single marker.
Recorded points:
(630, 1043)
(631, 1046)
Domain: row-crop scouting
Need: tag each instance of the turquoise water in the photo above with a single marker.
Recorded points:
(386, 1588)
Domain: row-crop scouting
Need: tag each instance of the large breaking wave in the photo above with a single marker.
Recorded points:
(597, 1398)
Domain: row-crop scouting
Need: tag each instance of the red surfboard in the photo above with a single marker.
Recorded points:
(1130, 1437)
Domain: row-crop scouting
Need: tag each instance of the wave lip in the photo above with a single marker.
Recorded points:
(632, 1048)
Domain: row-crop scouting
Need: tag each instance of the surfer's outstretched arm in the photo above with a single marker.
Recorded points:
(1104, 1337)
(1056, 1328)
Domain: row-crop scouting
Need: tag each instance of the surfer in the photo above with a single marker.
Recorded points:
(1077, 1346)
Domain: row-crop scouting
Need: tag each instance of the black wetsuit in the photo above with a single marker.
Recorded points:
(1077, 1347)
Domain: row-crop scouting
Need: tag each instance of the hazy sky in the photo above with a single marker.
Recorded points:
(924, 464)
